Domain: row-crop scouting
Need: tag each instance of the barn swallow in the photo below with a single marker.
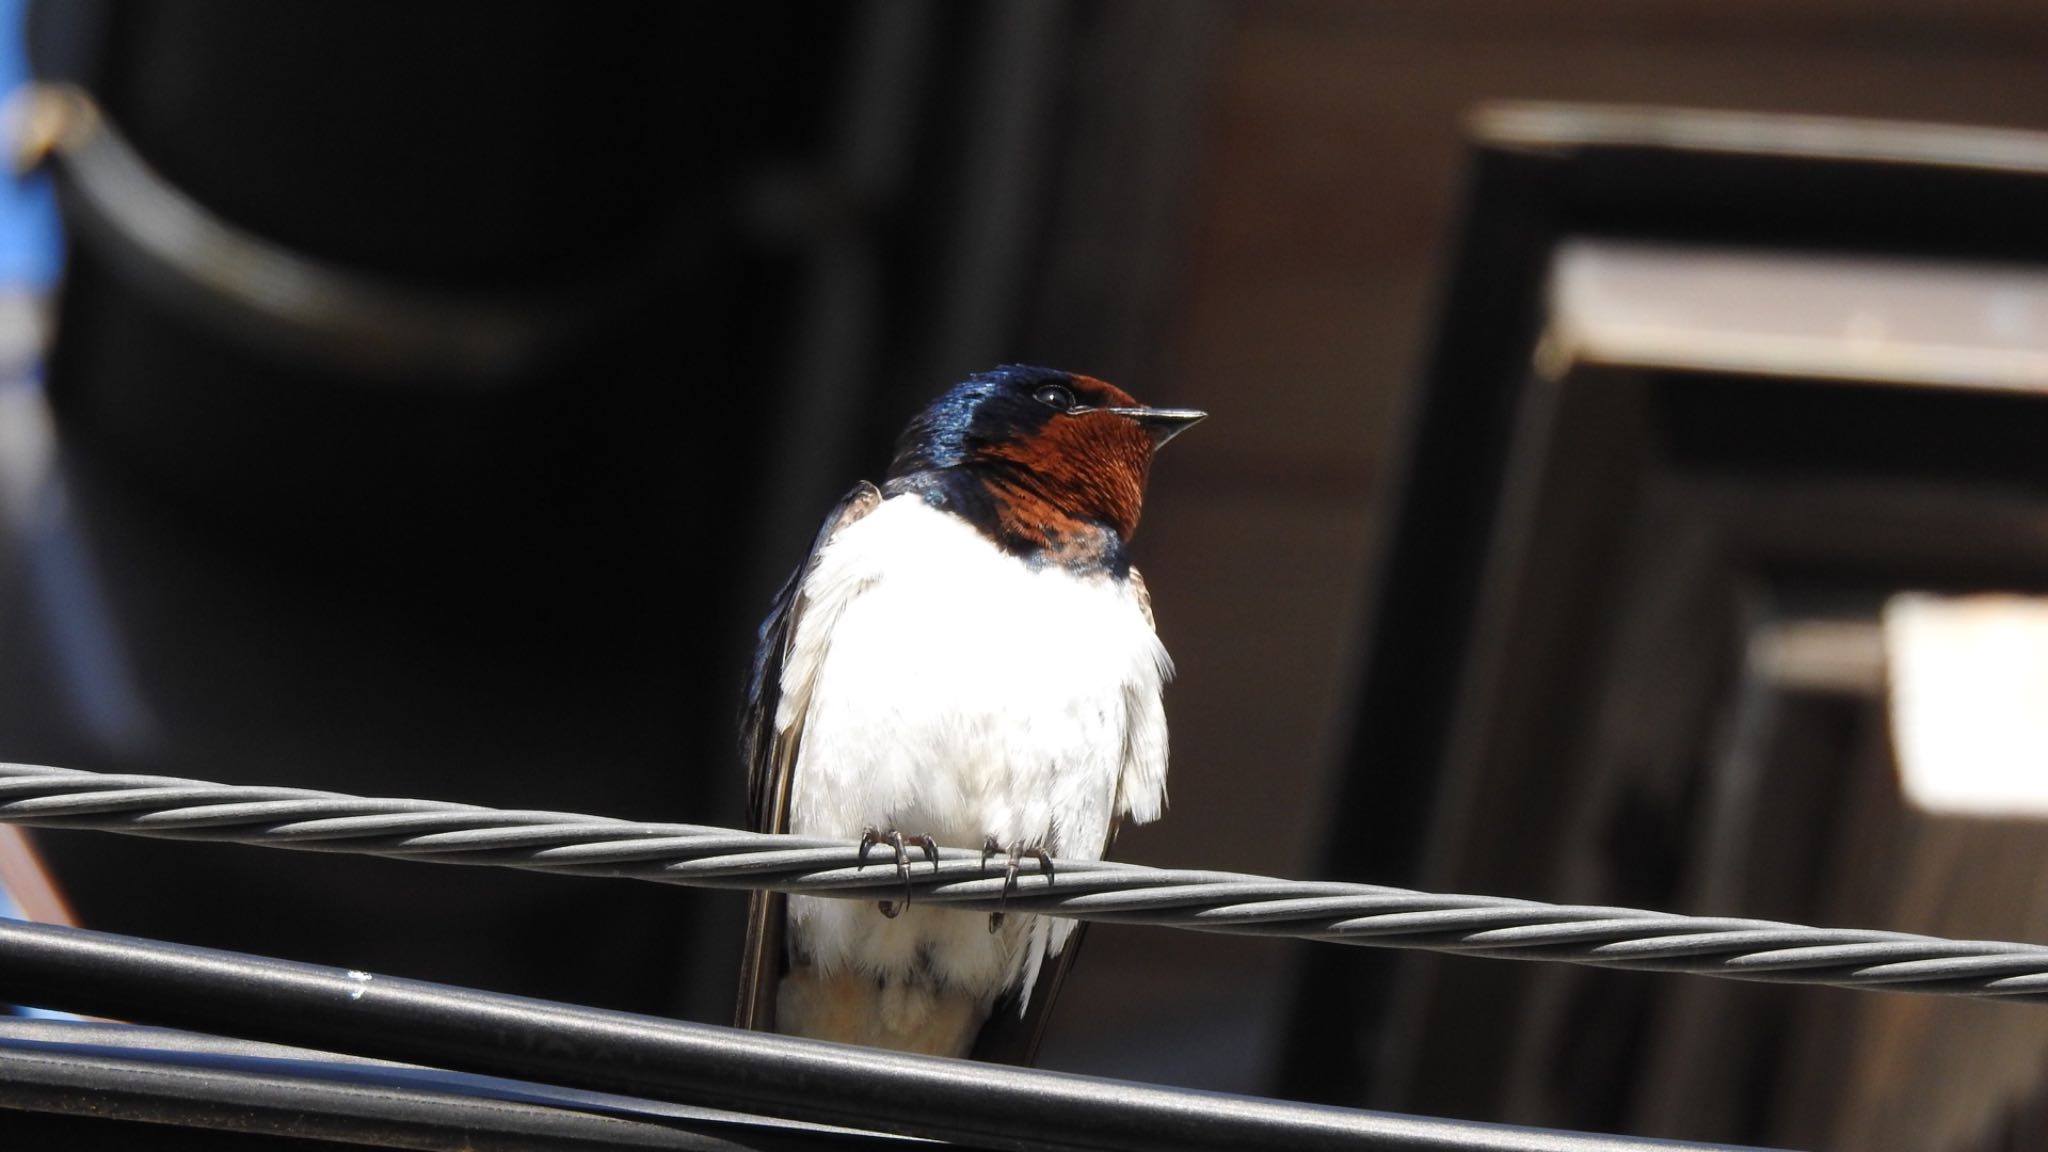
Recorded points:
(965, 658)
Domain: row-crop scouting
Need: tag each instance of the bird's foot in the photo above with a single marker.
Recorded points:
(898, 841)
(1016, 854)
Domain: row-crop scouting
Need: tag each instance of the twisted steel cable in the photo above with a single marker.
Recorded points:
(1225, 902)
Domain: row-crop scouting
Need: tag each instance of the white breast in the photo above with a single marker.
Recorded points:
(946, 688)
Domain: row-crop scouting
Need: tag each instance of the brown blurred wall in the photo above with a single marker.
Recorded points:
(1327, 160)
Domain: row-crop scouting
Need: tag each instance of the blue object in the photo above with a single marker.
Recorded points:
(31, 245)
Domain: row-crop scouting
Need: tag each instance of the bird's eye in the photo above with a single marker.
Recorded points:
(1055, 396)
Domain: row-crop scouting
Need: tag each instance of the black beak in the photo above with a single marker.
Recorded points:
(1163, 423)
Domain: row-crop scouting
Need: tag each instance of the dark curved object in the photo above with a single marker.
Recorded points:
(440, 503)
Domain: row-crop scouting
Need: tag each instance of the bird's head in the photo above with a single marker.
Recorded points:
(1045, 460)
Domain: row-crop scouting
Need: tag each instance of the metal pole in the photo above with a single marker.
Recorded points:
(260, 998)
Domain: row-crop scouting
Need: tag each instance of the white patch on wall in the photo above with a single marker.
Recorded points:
(1969, 702)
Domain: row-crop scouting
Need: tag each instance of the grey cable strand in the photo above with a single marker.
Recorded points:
(711, 857)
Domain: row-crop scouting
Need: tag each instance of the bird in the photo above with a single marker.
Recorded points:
(965, 658)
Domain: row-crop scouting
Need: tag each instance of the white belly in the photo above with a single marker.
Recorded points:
(962, 695)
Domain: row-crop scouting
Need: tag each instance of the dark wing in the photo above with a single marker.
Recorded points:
(770, 759)
(1013, 1038)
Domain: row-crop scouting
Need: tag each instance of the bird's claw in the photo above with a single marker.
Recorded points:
(990, 846)
(898, 841)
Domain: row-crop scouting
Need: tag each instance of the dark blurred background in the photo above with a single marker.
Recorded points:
(1467, 577)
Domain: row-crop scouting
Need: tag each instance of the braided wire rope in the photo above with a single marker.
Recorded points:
(1223, 902)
